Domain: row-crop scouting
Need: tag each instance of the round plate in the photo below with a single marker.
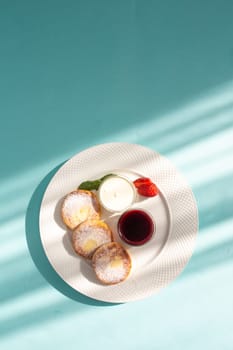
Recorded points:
(174, 210)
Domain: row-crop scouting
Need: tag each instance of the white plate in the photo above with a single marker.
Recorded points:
(174, 210)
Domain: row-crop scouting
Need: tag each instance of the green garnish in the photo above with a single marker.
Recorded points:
(94, 184)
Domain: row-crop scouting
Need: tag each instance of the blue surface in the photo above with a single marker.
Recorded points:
(78, 73)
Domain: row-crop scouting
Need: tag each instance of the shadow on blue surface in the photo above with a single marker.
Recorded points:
(215, 200)
(38, 315)
(152, 59)
(63, 72)
(37, 251)
(220, 254)
(203, 127)
(213, 211)
(215, 203)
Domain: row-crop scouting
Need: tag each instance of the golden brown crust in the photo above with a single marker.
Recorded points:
(89, 235)
(111, 263)
(79, 206)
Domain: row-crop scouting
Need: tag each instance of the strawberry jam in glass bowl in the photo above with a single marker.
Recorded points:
(136, 227)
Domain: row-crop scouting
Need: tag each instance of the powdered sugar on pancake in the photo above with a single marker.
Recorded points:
(78, 206)
(111, 263)
(89, 235)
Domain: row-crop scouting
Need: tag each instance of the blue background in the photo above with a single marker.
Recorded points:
(78, 73)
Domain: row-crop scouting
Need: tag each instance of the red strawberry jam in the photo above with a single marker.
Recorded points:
(135, 227)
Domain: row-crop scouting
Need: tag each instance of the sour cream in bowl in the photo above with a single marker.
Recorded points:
(116, 193)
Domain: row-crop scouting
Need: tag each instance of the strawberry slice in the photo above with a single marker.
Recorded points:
(141, 181)
(148, 190)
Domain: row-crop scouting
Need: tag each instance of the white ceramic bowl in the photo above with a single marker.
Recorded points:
(116, 193)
